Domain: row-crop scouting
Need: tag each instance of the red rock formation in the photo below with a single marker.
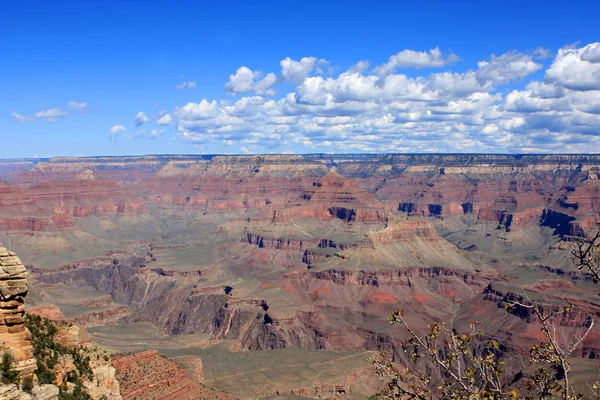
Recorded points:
(14, 336)
(405, 231)
(51, 312)
(255, 199)
(334, 197)
(280, 243)
(148, 375)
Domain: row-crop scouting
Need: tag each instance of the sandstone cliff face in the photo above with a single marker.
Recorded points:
(14, 336)
(148, 375)
(509, 191)
(334, 197)
(104, 383)
(405, 231)
(179, 307)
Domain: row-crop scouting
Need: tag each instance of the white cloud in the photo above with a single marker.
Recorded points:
(542, 90)
(198, 111)
(141, 118)
(51, 115)
(184, 85)
(507, 67)
(514, 123)
(247, 81)
(114, 132)
(73, 105)
(360, 66)
(576, 68)
(18, 118)
(117, 129)
(591, 53)
(165, 119)
(296, 71)
(491, 128)
(434, 58)
(263, 87)
(475, 110)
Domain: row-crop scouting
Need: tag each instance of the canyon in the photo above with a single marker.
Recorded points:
(219, 260)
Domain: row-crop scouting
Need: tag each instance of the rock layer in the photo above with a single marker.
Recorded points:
(14, 336)
(148, 375)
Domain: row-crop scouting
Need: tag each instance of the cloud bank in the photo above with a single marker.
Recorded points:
(513, 102)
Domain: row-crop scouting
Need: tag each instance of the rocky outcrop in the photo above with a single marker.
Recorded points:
(334, 197)
(148, 375)
(579, 317)
(104, 383)
(14, 336)
(280, 243)
(314, 255)
(561, 222)
(520, 328)
(41, 392)
(36, 224)
(399, 277)
(405, 231)
(294, 244)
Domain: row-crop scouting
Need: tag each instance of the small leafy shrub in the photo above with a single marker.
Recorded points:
(27, 385)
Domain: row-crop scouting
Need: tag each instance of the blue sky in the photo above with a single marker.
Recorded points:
(324, 76)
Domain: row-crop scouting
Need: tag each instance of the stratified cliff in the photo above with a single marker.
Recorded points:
(14, 336)
(309, 252)
(148, 375)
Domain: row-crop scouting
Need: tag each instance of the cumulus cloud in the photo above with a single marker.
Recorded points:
(73, 105)
(117, 129)
(198, 111)
(165, 119)
(247, 81)
(141, 118)
(114, 132)
(507, 67)
(474, 110)
(434, 58)
(51, 115)
(360, 66)
(296, 71)
(576, 68)
(186, 85)
(591, 53)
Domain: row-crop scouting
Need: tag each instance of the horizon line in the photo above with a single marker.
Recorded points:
(212, 155)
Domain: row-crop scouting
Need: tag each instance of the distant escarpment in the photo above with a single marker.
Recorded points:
(506, 190)
(181, 305)
(399, 277)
